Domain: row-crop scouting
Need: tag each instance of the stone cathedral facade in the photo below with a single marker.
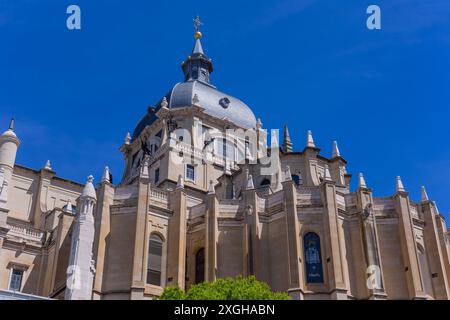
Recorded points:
(204, 195)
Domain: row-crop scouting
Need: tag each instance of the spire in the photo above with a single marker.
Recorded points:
(89, 190)
(424, 194)
(287, 144)
(106, 175)
(310, 140)
(197, 66)
(198, 49)
(259, 124)
(399, 186)
(336, 152)
(10, 132)
(362, 181)
(127, 138)
(48, 165)
(11, 124)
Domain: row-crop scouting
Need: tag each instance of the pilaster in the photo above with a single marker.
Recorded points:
(176, 252)
(141, 237)
(371, 243)
(251, 237)
(296, 272)
(212, 230)
(437, 255)
(332, 240)
(102, 231)
(408, 245)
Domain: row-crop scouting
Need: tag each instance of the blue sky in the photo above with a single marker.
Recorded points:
(382, 94)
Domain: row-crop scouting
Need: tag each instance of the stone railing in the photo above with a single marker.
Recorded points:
(159, 197)
(26, 233)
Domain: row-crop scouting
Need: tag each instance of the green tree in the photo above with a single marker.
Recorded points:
(226, 289)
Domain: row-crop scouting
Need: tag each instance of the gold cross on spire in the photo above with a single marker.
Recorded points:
(197, 24)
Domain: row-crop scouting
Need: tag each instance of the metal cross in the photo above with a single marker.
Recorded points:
(197, 23)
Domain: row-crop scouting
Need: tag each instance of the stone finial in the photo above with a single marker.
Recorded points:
(164, 103)
(128, 138)
(250, 184)
(424, 194)
(336, 152)
(48, 165)
(211, 189)
(310, 140)
(89, 190)
(399, 185)
(180, 182)
(106, 175)
(287, 174)
(259, 124)
(361, 181)
(195, 99)
(10, 131)
(69, 207)
(327, 173)
(287, 143)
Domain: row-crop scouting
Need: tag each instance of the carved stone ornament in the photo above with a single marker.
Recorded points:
(367, 211)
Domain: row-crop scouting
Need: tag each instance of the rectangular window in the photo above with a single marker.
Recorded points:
(157, 175)
(190, 173)
(16, 280)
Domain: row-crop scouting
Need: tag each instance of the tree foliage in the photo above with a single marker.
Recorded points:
(226, 289)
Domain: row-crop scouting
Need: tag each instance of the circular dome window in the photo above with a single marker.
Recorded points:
(224, 102)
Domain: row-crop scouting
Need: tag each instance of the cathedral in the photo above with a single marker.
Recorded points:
(208, 193)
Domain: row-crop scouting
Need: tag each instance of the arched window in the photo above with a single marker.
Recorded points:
(154, 264)
(424, 270)
(200, 266)
(313, 258)
(265, 182)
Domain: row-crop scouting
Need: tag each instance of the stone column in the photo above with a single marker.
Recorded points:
(81, 268)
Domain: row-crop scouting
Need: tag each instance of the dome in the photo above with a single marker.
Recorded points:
(197, 69)
(214, 103)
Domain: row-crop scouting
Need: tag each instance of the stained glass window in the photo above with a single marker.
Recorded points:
(313, 259)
